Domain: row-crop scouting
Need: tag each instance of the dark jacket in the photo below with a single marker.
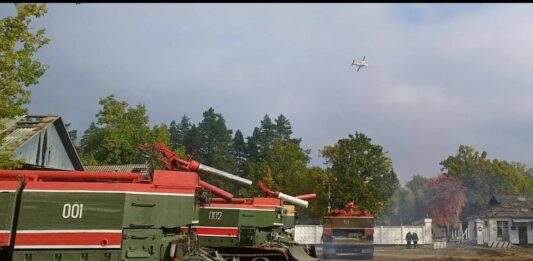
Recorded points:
(414, 237)
(408, 237)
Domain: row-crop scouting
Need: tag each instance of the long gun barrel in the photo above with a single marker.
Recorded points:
(172, 161)
(284, 197)
(222, 174)
(217, 191)
(307, 196)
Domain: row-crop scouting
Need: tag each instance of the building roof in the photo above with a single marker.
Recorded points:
(507, 206)
(20, 130)
(128, 168)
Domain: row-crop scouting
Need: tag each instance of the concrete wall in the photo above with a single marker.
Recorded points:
(395, 235)
(308, 234)
(383, 235)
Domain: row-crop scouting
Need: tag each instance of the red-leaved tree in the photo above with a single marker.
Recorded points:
(445, 199)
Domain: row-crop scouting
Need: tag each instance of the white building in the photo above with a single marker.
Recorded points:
(508, 219)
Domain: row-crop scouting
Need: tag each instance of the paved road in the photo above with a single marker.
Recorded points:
(453, 252)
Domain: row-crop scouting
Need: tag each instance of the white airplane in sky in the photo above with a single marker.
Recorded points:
(360, 64)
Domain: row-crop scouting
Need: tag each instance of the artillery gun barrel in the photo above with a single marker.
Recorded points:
(307, 196)
(226, 196)
(293, 200)
(222, 174)
(232, 201)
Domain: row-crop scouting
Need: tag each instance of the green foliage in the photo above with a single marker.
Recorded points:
(73, 135)
(210, 143)
(239, 152)
(483, 177)
(119, 129)
(178, 132)
(273, 156)
(417, 185)
(362, 172)
(407, 204)
(18, 68)
(216, 148)
(7, 162)
(311, 180)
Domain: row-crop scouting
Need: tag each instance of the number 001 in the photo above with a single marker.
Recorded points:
(72, 211)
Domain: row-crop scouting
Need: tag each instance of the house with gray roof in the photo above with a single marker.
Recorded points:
(40, 142)
(507, 219)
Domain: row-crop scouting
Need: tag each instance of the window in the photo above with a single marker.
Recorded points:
(502, 229)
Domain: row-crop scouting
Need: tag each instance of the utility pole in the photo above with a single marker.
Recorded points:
(329, 197)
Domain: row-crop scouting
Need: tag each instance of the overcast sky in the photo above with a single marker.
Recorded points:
(440, 75)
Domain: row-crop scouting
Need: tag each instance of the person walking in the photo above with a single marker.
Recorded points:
(414, 237)
(408, 238)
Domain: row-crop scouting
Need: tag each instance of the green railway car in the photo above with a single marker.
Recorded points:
(69, 215)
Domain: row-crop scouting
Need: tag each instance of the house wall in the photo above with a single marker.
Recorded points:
(472, 231)
(530, 233)
(45, 149)
(513, 234)
(515, 238)
(490, 233)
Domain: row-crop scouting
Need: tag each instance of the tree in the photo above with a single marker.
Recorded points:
(216, 145)
(310, 180)
(173, 130)
(445, 199)
(274, 155)
(178, 132)
(417, 185)
(283, 129)
(362, 172)
(119, 129)
(239, 152)
(18, 68)
(285, 161)
(474, 170)
(262, 140)
(483, 177)
(193, 141)
(73, 135)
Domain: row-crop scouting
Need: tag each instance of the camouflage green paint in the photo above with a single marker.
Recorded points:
(289, 221)
(239, 217)
(104, 210)
(257, 224)
(47, 210)
(6, 208)
(147, 244)
(159, 211)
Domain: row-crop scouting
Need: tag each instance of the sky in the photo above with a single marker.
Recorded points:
(439, 75)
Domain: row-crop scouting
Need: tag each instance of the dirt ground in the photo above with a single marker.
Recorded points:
(453, 252)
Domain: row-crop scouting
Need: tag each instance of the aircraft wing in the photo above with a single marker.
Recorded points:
(358, 68)
(364, 58)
